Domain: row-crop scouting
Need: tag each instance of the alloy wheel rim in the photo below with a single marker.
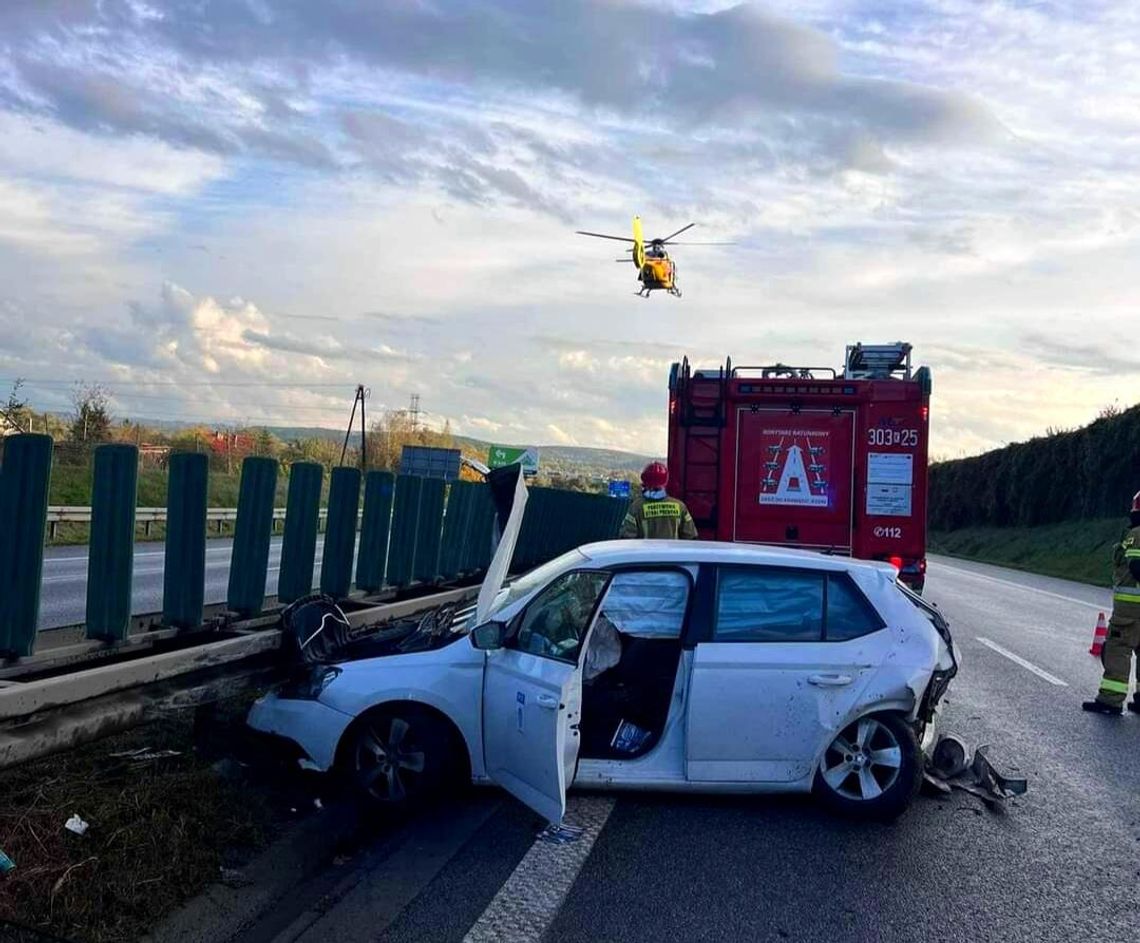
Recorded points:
(863, 762)
(389, 764)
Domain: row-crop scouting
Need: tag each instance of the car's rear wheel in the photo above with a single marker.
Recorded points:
(872, 769)
(401, 757)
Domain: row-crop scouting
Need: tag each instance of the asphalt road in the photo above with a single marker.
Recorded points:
(1062, 864)
(63, 600)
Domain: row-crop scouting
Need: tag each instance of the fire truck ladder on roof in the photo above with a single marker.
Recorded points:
(878, 362)
(703, 403)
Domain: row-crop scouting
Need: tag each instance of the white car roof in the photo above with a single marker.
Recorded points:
(616, 552)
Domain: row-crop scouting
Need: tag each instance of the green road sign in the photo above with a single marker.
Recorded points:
(501, 455)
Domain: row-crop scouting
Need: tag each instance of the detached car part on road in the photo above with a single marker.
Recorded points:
(655, 665)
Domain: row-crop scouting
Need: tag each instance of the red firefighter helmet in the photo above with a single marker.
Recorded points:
(1136, 502)
(654, 476)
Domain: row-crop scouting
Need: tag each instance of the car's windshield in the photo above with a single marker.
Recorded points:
(531, 581)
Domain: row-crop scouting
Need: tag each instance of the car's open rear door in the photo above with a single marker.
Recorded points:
(531, 710)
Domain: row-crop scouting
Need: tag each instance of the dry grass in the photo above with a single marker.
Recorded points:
(160, 830)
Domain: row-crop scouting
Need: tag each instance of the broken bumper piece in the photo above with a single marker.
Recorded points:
(950, 767)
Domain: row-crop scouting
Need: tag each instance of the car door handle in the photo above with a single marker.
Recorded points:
(545, 700)
(829, 681)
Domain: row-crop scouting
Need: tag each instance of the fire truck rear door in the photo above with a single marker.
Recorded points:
(794, 477)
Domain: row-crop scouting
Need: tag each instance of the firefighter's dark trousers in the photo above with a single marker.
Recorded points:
(1123, 639)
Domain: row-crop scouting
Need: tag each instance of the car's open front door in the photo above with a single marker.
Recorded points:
(532, 694)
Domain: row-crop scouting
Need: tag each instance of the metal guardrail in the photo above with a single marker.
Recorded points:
(62, 513)
(41, 715)
(78, 514)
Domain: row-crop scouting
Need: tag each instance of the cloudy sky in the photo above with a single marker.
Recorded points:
(239, 210)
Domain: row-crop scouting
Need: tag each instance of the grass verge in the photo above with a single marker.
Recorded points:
(1075, 550)
(160, 829)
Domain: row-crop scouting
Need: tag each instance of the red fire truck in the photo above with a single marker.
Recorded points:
(807, 457)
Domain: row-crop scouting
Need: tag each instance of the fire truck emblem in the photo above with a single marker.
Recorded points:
(791, 478)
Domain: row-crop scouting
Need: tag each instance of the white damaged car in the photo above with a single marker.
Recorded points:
(662, 665)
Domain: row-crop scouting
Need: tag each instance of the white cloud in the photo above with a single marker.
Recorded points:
(394, 206)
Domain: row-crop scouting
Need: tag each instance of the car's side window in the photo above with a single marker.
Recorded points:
(555, 622)
(849, 615)
(765, 604)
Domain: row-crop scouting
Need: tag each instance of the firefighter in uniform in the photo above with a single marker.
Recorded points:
(656, 515)
(1124, 626)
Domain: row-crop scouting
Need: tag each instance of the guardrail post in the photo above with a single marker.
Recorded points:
(250, 560)
(24, 478)
(425, 567)
(340, 532)
(184, 572)
(299, 545)
(111, 554)
(372, 558)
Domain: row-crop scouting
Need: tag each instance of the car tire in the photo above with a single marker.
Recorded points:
(872, 769)
(401, 757)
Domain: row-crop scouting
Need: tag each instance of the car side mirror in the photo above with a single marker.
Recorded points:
(488, 636)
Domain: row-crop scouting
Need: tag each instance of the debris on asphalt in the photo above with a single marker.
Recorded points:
(6, 863)
(76, 824)
(950, 768)
(560, 834)
(233, 877)
(144, 754)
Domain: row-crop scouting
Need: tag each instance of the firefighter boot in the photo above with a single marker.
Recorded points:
(1134, 704)
(1117, 661)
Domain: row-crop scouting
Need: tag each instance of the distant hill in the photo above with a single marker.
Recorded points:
(569, 460)
(569, 455)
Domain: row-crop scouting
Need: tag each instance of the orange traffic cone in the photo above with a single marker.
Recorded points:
(1099, 636)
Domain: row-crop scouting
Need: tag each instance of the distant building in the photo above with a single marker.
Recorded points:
(154, 454)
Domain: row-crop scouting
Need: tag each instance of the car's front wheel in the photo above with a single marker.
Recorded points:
(872, 769)
(400, 757)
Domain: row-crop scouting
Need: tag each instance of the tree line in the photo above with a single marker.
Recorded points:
(1085, 473)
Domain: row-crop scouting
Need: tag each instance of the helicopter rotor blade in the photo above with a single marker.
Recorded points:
(602, 235)
(702, 243)
(677, 233)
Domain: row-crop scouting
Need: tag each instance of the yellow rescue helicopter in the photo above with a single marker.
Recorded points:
(655, 270)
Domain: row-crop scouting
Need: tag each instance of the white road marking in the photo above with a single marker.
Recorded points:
(1017, 659)
(529, 901)
(1028, 589)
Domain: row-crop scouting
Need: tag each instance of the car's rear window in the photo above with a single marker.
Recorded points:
(770, 604)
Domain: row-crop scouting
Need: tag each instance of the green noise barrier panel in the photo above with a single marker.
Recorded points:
(425, 564)
(375, 525)
(111, 553)
(24, 478)
(299, 542)
(340, 533)
(405, 526)
(184, 569)
(252, 532)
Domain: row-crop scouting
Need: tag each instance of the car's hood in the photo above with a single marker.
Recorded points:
(508, 491)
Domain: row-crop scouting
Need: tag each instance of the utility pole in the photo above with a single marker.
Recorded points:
(361, 395)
